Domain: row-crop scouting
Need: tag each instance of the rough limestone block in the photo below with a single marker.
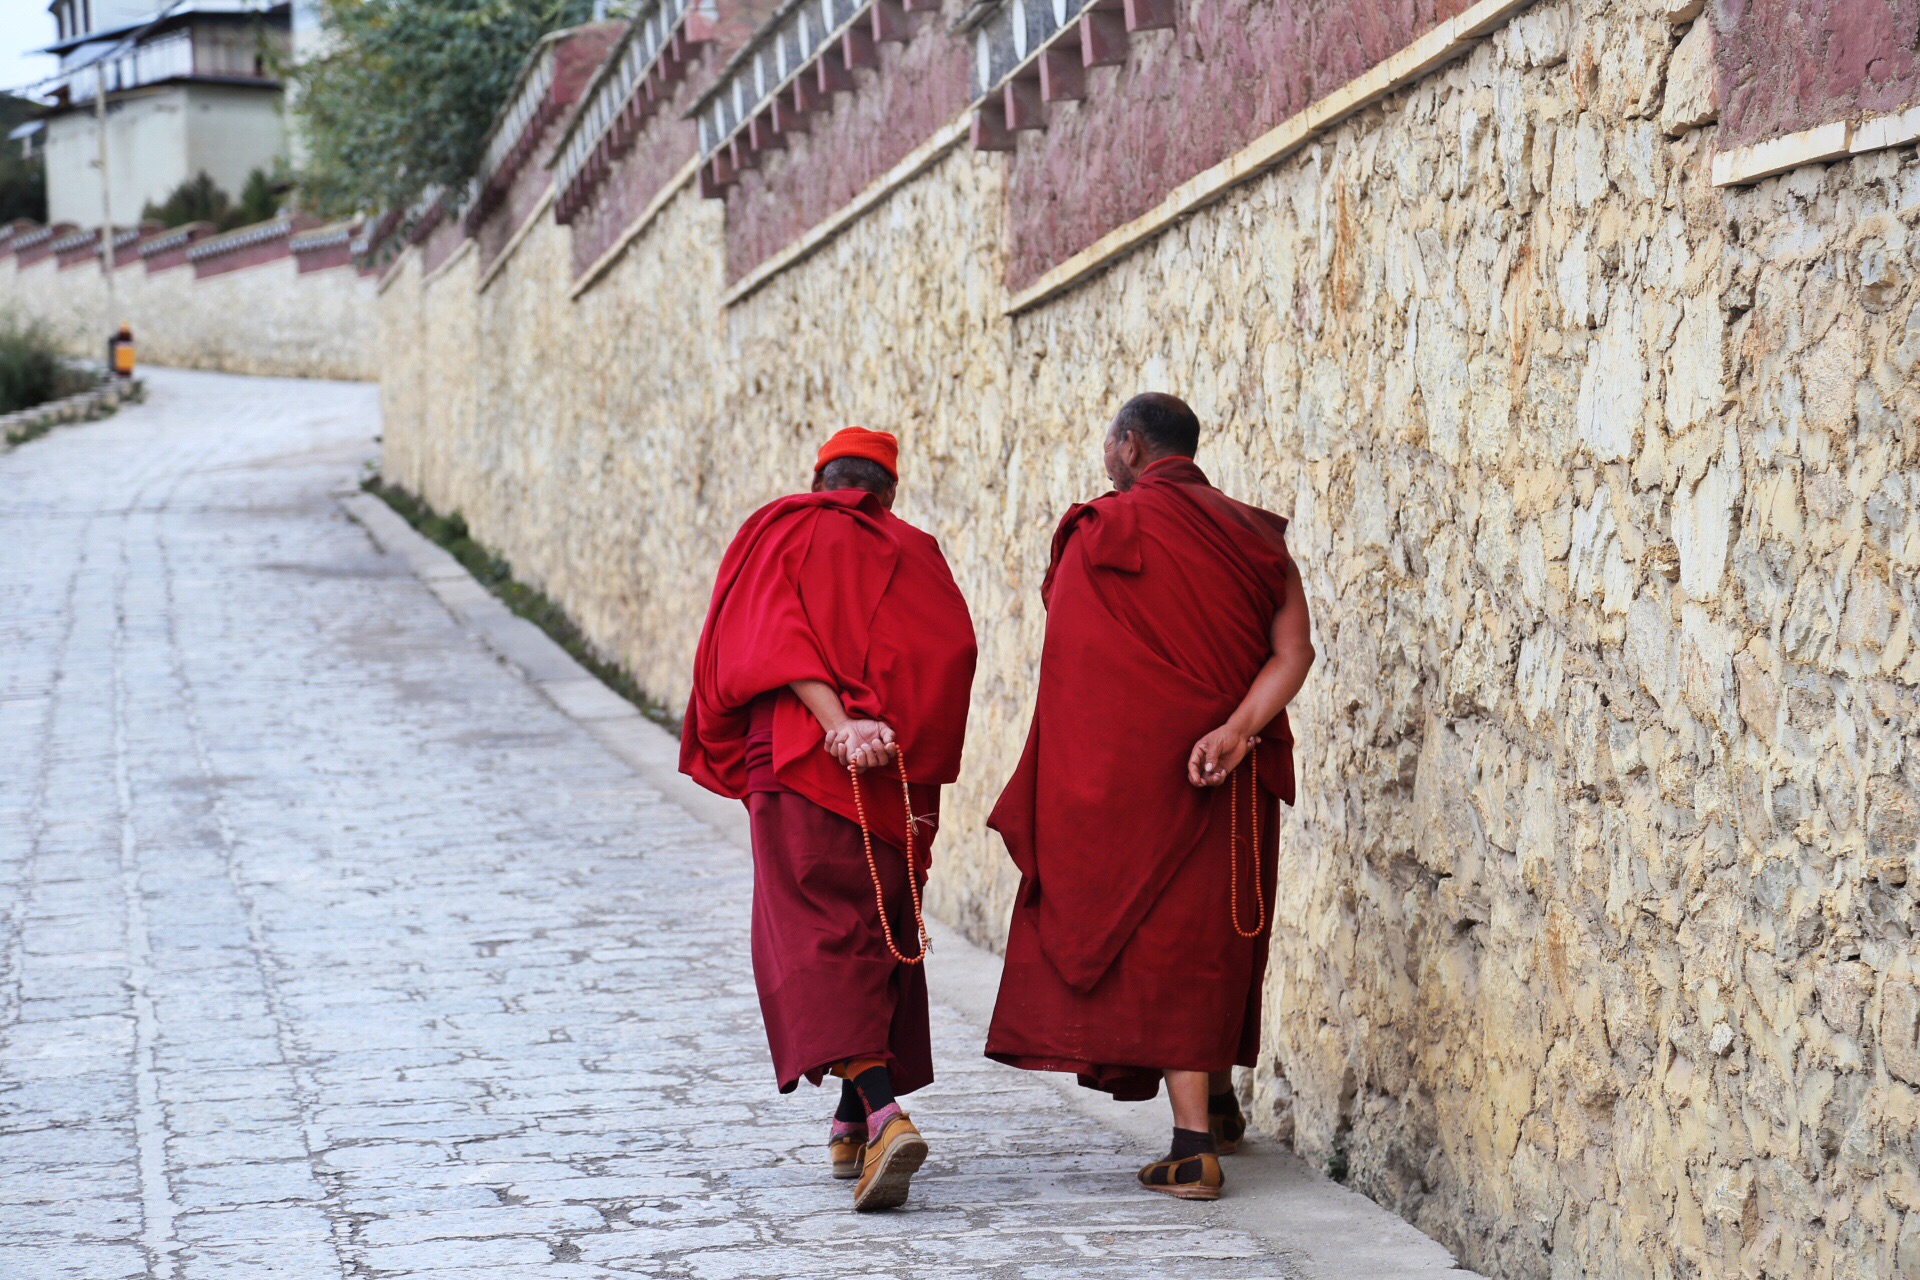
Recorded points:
(1900, 1030)
(1693, 83)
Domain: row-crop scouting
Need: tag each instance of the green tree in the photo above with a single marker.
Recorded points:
(23, 179)
(200, 199)
(196, 199)
(401, 99)
(259, 199)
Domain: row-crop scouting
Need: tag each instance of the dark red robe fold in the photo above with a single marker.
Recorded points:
(832, 587)
(1121, 957)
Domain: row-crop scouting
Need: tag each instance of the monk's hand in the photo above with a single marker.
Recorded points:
(1217, 755)
(865, 744)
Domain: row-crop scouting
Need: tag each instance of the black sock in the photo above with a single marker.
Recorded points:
(1188, 1142)
(850, 1111)
(1223, 1104)
(874, 1088)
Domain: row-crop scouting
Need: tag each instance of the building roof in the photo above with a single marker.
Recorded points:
(221, 8)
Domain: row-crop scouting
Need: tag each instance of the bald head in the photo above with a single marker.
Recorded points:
(1149, 427)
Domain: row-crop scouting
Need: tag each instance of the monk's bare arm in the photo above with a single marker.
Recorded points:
(866, 744)
(1216, 756)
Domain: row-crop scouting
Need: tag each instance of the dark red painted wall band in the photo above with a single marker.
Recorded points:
(1788, 65)
(1185, 100)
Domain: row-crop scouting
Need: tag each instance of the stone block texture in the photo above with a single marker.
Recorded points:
(1596, 948)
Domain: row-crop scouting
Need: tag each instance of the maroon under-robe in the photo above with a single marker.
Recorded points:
(832, 587)
(1122, 958)
(829, 988)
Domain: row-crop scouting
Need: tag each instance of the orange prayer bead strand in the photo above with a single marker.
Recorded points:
(873, 868)
(1233, 844)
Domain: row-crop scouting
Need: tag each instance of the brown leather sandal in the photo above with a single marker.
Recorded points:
(1227, 1130)
(845, 1151)
(1196, 1177)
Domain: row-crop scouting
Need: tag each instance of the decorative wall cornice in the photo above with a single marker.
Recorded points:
(174, 239)
(792, 66)
(1029, 53)
(516, 131)
(246, 237)
(636, 78)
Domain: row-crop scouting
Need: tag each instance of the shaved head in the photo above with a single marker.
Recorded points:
(1149, 427)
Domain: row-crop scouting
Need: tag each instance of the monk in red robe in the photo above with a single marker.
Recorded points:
(830, 693)
(1142, 815)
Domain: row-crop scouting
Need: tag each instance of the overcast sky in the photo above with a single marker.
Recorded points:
(24, 24)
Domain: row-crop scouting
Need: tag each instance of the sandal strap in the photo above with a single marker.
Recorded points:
(1166, 1173)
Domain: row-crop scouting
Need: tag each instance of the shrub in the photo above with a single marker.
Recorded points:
(31, 368)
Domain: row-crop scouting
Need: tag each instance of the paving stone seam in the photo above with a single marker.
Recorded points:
(158, 1209)
(306, 1091)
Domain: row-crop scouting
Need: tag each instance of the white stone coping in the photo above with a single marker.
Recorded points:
(514, 241)
(453, 260)
(1323, 1229)
(916, 162)
(1439, 46)
(592, 275)
(73, 240)
(1832, 141)
(31, 237)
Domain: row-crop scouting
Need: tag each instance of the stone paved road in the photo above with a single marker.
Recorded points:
(330, 948)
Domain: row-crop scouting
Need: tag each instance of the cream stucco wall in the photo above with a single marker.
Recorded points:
(1595, 948)
(265, 319)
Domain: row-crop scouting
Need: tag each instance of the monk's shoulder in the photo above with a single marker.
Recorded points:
(1260, 518)
(777, 524)
(914, 542)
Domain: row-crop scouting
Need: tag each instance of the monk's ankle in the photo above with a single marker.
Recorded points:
(1223, 1104)
(851, 1110)
(1191, 1142)
(874, 1087)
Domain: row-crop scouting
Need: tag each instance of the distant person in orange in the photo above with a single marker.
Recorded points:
(1142, 814)
(835, 665)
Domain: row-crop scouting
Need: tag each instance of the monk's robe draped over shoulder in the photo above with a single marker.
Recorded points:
(833, 587)
(1121, 957)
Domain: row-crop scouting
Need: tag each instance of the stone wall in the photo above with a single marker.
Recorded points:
(268, 318)
(1595, 946)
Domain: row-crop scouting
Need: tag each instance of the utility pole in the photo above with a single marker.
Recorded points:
(106, 190)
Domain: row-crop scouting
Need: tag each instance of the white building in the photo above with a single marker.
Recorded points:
(190, 87)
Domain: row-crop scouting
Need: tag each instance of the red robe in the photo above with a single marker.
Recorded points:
(1121, 956)
(832, 587)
